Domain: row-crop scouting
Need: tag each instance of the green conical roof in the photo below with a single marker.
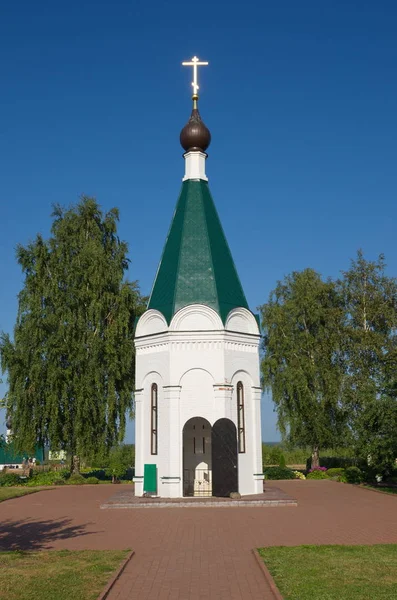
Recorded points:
(196, 266)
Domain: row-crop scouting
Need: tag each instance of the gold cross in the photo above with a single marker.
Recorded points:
(195, 62)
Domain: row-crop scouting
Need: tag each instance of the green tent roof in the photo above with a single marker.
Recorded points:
(196, 266)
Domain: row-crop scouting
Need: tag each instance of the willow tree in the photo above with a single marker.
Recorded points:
(302, 362)
(70, 363)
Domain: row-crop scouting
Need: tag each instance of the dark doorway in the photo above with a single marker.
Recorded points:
(224, 458)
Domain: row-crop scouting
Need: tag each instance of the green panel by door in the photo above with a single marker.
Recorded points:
(150, 479)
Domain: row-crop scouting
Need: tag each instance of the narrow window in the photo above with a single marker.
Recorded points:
(153, 419)
(240, 417)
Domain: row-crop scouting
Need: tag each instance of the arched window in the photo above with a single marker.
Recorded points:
(240, 417)
(153, 419)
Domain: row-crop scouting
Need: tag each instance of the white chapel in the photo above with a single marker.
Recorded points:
(198, 416)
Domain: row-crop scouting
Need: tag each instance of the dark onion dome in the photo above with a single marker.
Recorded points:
(195, 136)
(8, 422)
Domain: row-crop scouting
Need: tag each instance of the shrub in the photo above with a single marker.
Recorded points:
(333, 462)
(317, 474)
(354, 475)
(281, 462)
(299, 475)
(92, 480)
(10, 479)
(318, 469)
(98, 473)
(76, 479)
(48, 478)
(60, 482)
(278, 473)
(336, 472)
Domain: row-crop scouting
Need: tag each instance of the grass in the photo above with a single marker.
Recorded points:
(62, 575)
(14, 492)
(334, 572)
(386, 490)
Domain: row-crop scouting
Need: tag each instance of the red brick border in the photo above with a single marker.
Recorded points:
(266, 573)
(107, 589)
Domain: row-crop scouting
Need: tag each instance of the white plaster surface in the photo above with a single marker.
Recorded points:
(196, 364)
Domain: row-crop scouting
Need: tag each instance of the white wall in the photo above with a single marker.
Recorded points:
(196, 363)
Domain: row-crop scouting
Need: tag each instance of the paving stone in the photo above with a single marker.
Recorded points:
(196, 553)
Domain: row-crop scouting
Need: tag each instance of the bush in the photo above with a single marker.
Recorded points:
(299, 475)
(317, 474)
(278, 473)
(354, 475)
(10, 479)
(336, 472)
(98, 473)
(60, 482)
(92, 480)
(48, 478)
(281, 462)
(76, 479)
(333, 462)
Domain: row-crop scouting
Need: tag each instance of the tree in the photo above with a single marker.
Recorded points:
(120, 460)
(370, 306)
(71, 363)
(302, 363)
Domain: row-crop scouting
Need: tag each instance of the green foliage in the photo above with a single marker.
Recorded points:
(71, 364)
(370, 340)
(45, 478)
(335, 472)
(333, 462)
(278, 473)
(123, 454)
(64, 473)
(299, 456)
(10, 479)
(376, 426)
(117, 463)
(317, 475)
(302, 364)
(99, 474)
(354, 475)
(281, 462)
(92, 480)
(271, 455)
(76, 479)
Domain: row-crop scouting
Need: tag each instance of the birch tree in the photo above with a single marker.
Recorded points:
(70, 363)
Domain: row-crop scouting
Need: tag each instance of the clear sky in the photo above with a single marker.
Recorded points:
(300, 98)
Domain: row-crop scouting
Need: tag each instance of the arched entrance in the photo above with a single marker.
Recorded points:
(224, 458)
(197, 458)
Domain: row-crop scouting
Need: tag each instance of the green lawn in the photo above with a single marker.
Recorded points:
(386, 490)
(334, 572)
(56, 575)
(15, 492)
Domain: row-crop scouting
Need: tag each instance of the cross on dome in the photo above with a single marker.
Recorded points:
(195, 62)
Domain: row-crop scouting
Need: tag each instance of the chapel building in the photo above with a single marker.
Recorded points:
(198, 395)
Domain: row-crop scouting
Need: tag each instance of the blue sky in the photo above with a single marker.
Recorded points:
(300, 99)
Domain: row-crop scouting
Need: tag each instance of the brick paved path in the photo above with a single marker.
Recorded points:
(189, 554)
